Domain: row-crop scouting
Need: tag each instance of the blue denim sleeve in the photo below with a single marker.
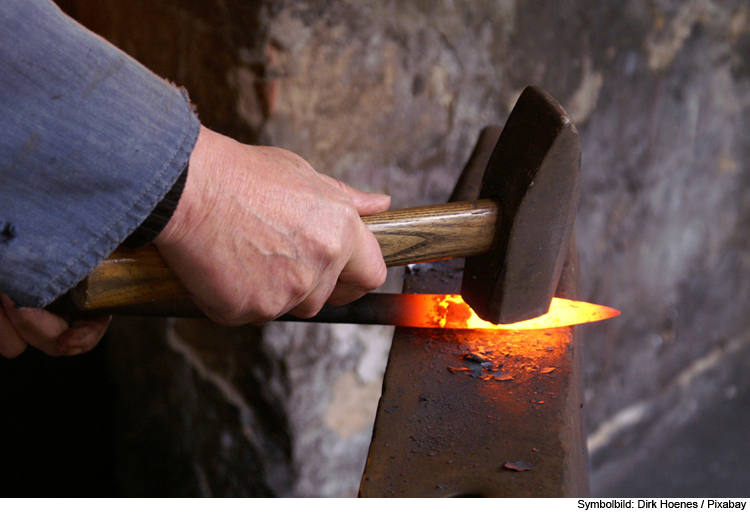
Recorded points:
(90, 141)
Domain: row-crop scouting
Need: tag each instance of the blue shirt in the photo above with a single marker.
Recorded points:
(90, 141)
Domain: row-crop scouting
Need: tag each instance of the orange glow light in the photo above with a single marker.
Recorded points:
(451, 312)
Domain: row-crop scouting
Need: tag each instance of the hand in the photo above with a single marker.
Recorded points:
(258, 233)
(46, 331)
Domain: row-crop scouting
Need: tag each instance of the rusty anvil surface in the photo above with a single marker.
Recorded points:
(477, 412)
(462, 411)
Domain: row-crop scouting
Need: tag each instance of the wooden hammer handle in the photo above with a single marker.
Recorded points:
(412, 235)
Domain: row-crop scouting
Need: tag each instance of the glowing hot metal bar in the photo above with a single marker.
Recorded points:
(451, 312)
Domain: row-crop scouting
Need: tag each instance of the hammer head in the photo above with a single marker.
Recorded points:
(534, 176)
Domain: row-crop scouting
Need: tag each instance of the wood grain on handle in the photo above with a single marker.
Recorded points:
(126, 277)
(429, 233)
(411, 235)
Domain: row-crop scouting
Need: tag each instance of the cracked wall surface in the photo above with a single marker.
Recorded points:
(390, 97)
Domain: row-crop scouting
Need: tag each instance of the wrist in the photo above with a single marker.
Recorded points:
(191, 202)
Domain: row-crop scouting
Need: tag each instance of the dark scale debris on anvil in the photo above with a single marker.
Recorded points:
(518, 465)
(478, 359)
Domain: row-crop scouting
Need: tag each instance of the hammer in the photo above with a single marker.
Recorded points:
(514, 237)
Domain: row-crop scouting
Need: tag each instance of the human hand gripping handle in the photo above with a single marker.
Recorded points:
(259, 233)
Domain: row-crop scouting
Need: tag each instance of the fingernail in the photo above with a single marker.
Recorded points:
(382, 197)
(71, 352)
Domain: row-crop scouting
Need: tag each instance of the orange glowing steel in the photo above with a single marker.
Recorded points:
(451, 312)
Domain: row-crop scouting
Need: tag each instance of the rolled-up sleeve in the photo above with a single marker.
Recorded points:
(90, 142)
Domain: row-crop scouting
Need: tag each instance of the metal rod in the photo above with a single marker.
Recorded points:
(435, 311)
(371, 309)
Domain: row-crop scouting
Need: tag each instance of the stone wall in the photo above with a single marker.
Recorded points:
(390, 97)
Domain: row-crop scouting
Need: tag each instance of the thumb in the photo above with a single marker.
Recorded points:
(366, 203)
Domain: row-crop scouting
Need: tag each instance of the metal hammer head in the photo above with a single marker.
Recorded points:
(533, 174)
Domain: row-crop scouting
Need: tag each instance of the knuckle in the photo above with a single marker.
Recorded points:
(267, 312)
(340, 184)
(309, 309)
(331, 250)
(348, 225)
(230, 314)
(350, 213)
(300, 283)
(379, 276)
(229, 311)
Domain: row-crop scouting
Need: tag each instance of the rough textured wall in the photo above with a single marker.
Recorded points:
(663, 222)
(389, 96)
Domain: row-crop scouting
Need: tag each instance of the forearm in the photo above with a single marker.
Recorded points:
(90, 142)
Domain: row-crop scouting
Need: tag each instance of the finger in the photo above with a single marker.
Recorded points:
(37, 327)
(11, 344)
(82, 336)
(223, 319)
(314, 301)
(365, 270)
(366, 203)
(309, 305)
(345, 293)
